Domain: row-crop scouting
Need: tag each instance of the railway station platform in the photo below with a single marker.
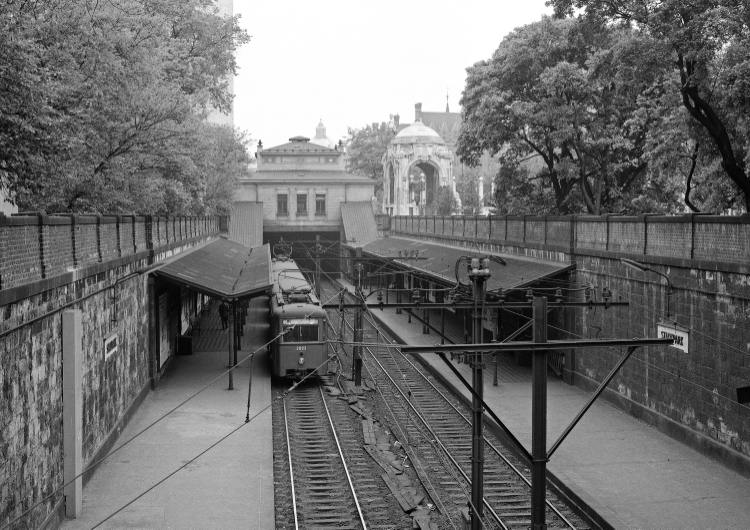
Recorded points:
(627, 474)
(231, 485)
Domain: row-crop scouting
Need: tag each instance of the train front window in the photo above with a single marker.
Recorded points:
(301, 330)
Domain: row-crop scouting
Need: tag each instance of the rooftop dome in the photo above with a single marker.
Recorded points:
(418, 133)
(320, 136)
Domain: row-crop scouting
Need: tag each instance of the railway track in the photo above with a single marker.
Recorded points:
(436, 429)
(322, 492)
(324, 475)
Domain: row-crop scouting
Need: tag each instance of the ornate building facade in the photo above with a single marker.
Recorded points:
(301, 186)
(447, 125)
(416, 164)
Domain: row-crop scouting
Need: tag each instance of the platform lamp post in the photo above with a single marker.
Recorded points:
(645, 268)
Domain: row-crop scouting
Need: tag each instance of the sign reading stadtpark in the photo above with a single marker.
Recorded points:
(679, 334)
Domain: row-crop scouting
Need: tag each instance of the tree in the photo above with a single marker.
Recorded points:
(504, 113)
(709, 40)
(119, 93)
(563, 92)
(365, 149)
(445, 202)
(467, 186)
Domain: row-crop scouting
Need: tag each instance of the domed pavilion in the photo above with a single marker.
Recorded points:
(415, 165)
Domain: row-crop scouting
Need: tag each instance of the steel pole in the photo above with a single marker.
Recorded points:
(539, 417)
(442, 325)
(477, 456)
(317, 266)
(357, 357)
(230, 343)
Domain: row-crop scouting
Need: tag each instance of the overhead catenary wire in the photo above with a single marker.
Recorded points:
(159, 419)
(220, 440)
(637, 357)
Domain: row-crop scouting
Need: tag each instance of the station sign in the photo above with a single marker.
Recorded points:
(110, 345)
(677, 333)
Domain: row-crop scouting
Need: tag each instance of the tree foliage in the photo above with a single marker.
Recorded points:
(469, 180)
(445, 202)
(563, 92)
(365, 148)
(103, 105)
(709, 41)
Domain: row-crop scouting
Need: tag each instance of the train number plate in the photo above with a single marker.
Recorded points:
(301, 348)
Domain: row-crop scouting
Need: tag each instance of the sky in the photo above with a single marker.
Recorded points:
(356, 62)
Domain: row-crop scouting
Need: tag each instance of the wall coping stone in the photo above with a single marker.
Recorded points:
(19, 292)
(733, 267)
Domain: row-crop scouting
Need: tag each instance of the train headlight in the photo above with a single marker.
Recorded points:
(301, 359)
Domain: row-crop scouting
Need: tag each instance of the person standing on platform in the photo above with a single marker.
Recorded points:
(224, 314)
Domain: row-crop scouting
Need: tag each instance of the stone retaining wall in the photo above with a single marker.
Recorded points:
(689, 395)
(91, 263)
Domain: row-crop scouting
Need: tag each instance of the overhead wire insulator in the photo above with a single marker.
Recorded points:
(529, 295)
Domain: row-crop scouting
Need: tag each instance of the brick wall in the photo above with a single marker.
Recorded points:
(20, 251)
(57, 250)
(48, 264)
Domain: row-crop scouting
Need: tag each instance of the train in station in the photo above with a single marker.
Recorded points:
(296, 311)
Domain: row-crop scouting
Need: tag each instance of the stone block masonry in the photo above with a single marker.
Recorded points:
(89, 263)
(689, 395)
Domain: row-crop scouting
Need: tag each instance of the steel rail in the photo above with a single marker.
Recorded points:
(410, 451)
(424, 421)
(440, 444)
(370, 317)
(291, 472)
(468, 421)
(489, 442)
(343, 460)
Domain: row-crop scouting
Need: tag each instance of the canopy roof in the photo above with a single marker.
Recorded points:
(520, 271)
(222, 269)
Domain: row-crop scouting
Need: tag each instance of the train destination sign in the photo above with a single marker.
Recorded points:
(678, 334)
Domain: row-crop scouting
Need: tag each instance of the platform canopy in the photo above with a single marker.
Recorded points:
(246, 223)
(520, 271)
(359, 223)
(222, 269)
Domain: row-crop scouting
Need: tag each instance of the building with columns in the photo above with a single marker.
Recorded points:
(298, 188)
(416, 163)
(447, 126)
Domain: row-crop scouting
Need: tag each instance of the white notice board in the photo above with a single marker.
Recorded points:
(679, 334)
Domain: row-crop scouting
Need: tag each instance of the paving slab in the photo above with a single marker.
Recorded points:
(230, 486)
